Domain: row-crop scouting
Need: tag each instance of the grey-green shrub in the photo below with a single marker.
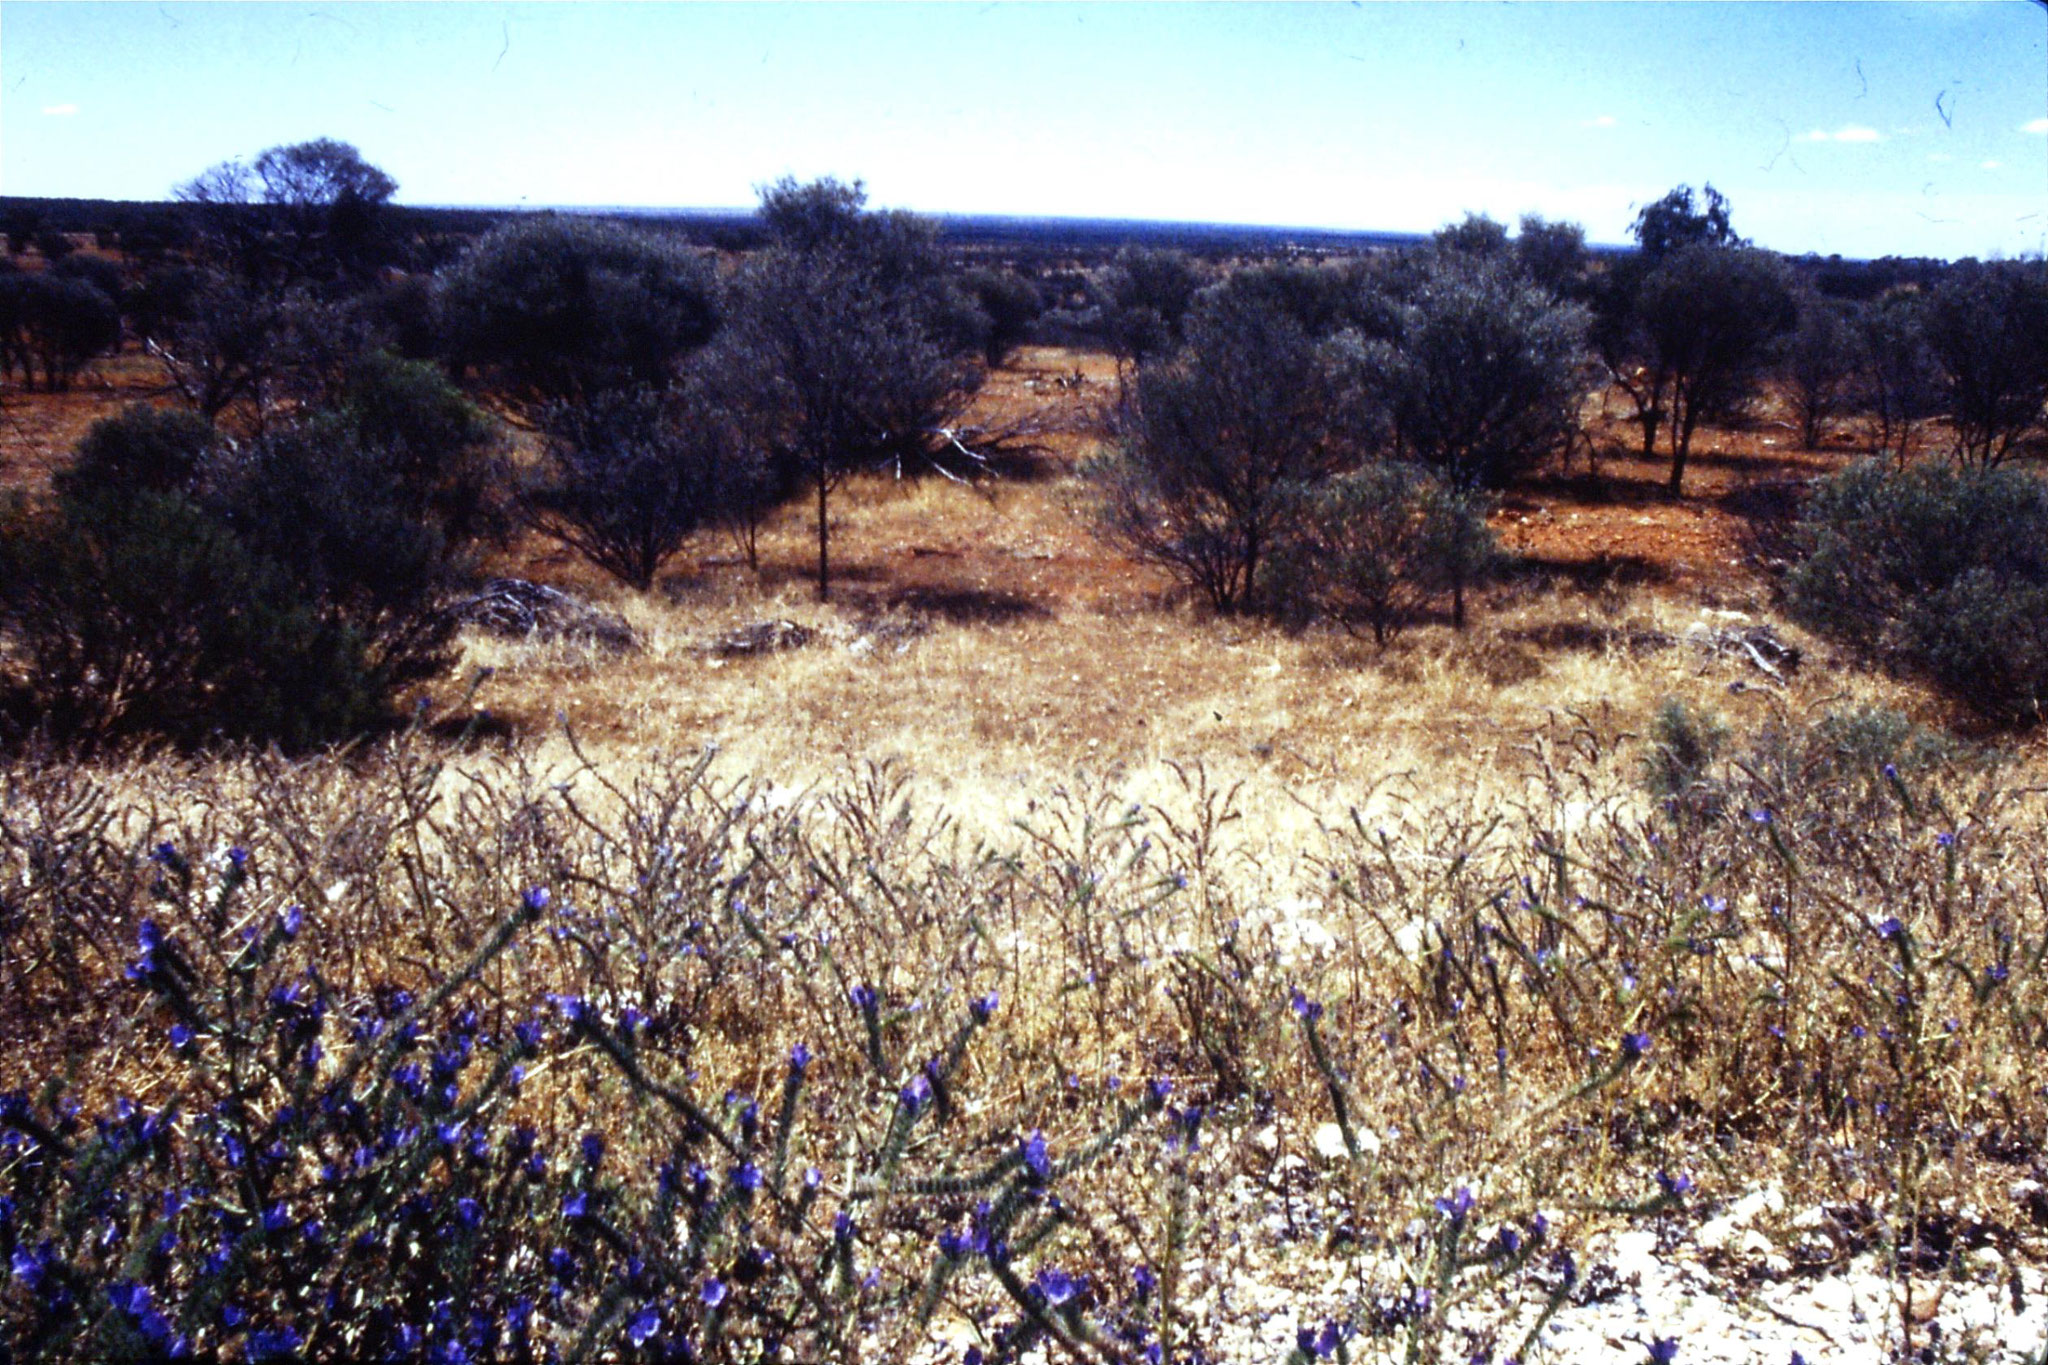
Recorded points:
(1373, 548)
(1937, 571)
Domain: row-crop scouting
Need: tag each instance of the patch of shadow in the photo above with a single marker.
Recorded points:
(967, 606)
(475, 730)
(1769, 513)
(1600, 574)
(1589, 637)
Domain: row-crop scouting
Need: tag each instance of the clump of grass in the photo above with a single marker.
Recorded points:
(764, 1077)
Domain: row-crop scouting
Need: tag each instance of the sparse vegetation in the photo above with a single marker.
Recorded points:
(1208, 985)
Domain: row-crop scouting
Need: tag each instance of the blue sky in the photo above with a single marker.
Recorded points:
(1866, 129)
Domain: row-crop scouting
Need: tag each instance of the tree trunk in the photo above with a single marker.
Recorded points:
(824, 552)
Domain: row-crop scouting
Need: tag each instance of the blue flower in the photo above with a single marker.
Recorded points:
(1891, 929)
(536, 898)
(746, 1176)
(1036, 1160)
(714, 1292)
(644, 1325)
(1674, 1186)
(575, 1205)
(1057, 1286)
(983, 1007)
(1664, 1350)
(799, 1059)
(290, 919)
(1309, 1010)
(593, 1149)
(917, 1094)
(863, 998)
(1456, 1205)
(1634, 1046)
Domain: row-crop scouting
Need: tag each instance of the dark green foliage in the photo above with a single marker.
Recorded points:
(1321, 299)
(97, 271)
(634, 473)
(1371, 549)
(1678, 221)
(558, 307)
(1987, 328)
(1821, 361)
(1899, 382)
(846, 349)
(54, 323)
(1484, 376)
(1553, 255)
(221, 342)
(1938, 571)
(1709, 315)
(137, 613)
(334, 511)
(439, 448)
(141, 450)
(1477, 235)
(1144, 296)
(1011, 304)
(1214, 439)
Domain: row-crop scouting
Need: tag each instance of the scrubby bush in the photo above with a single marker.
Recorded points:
(634, 473)
(1373, 548)
(1684, 742)
(138, 613)
(1937, 571)
(1710, 316)
(1484, 374)
(1142, 298)
(1010, 302)
(142, 449)
(442, 452)
(1214, 439)
(555, 307)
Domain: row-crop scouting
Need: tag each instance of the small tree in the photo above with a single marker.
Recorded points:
(558, 308)
(1476, 235)
(1987, 327)
(1821, 363)
(633, 473)
(1680, 220)
(1144, 296)
(1711, 315)
(1214, 439)
(1899, 381)
(56, 324)
(1553, 255)
(1485, 376)
(307, 214)
(1374, 547)
(1011, 304)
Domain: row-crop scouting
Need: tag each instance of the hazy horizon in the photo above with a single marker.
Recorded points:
(1859, 129)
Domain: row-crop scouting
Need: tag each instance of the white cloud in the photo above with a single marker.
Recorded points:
(1853, 132)
(1989, 165)
(1939, 156)
(2039, 125)
(60, 110)
(1602, 121)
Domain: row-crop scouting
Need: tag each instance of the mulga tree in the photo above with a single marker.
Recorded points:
(1627, 347)
(1712, 315)
(1144, 295)
(1898, 381)
(1987, 327)
(843, 345)
(556, 308)
(1214, 438)
(1484, 378)
(1821, 361)
(633, 473)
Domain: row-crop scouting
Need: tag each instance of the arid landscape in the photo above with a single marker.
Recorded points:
(477, 883)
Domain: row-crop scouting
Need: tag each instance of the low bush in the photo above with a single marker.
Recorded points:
(142, 449)
(1372, 549)
(1938, 571)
